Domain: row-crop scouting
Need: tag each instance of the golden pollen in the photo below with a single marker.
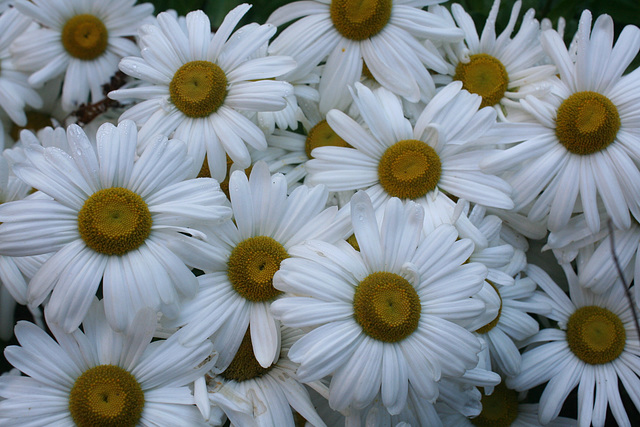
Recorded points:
(386, 306)
(485, 76)
(114, 221)
(489, 326)
(360, 19)
(595, 335)
(85, 37)
(244, 365)
(587, 122)
(35, 122)
(321, 135)
(500, 409)
(353, 242)
(106, 396)
(198, 88)
(251, 267)
(409, 169)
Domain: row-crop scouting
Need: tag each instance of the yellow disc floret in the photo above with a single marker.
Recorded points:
(483, 75)
(360, 19)
(489, 326)
(106, 396)
(198, 88)
(251, 267)
(409, 169)
(499, 409)
(114, 221)
(595, 335)
(244, 365)
(587, 122)
(85, 37)
(321, 135)
(386, 306)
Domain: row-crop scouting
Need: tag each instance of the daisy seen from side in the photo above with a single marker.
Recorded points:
(385, 318)
(202, 85)
(109, 217)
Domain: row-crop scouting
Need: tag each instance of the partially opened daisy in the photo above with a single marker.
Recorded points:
(109, 219)
(240, 258)
(498, 67)
(584, 137)
(15, 91)
(271, 392)
(387, 317)
(98, 377)
(437, 158)
(595, 348)
(202, 85)
(82, 40)
(383, 35)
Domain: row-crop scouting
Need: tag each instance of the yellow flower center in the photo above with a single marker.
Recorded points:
(353, 242)
(114, 221)
(251, 267)
(489, 326)
(409, 169)
(386, 306)
(485, 76)
(244, 365)
(198, 88)
(595, 335)
(500, 409)
(85, 37)
(35, 122)
(321, 135)
(105, 396)
(360, 19)
(587, 122)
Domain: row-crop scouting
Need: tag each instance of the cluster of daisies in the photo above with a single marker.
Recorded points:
(323, 220)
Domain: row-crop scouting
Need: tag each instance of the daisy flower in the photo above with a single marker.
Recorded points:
(502, 408)
(96, 376)
(201, 86)
(585, 135)
(497, 68)
(385, 318)
(108, 218)
(15, 91)
(383, 35)
(426, 163)
(272, 392)
(240, 258)
(595, 346)
(84, 40)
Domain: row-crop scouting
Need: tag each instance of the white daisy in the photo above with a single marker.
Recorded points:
(498, 68)
(109, 219)
(586, 134)
(84, 40)
(272, 392)
(202, 85)
(385, 318)
(501, 408)
(426, 163)
(240, 258)
(384, 35)
(100, 377)
(596, 346)
(15, 91)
